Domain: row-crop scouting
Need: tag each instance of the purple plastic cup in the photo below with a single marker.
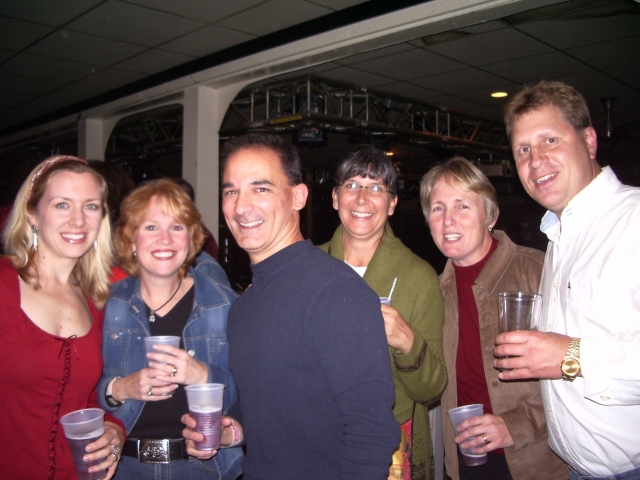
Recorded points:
(457, 416)
(81, 428)
(205, 406)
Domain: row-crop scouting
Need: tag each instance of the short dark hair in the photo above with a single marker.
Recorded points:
(286, 152)
(566, 99)
(366, 161)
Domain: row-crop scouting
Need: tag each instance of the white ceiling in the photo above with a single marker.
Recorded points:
(56, 53)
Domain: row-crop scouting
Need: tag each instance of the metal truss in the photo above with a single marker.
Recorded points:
(344, 108)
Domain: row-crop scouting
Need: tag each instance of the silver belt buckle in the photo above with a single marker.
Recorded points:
(153, 451)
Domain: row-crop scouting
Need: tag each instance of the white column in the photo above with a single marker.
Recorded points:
(204, 110)
(91, 141)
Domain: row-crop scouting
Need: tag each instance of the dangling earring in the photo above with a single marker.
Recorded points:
(34, 231)
(95, 245)
(490, 229)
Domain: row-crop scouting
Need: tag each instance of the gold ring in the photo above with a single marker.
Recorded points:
(150, 392)
(175, 370)
(484, 437)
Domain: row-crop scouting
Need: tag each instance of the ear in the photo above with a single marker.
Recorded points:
(591, 139)
(31, 219)
(334, 195)
(392, 205)
(300, 194)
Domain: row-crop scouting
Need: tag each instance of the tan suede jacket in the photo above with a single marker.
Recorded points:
(510, 268)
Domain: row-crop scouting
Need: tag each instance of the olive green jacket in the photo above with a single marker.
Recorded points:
(420, 375)
(511, 268)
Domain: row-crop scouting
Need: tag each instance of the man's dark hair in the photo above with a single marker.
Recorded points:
(366, 161)
(286, 152)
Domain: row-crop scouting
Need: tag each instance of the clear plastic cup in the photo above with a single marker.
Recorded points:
(81, 428)
(149, 342)
(457, 416)
(518, 311)
(205, 406)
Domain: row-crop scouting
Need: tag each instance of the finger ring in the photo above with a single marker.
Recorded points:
(150, 392)
(115, 449)
(175, 370)
(114, 456)
(484, 437)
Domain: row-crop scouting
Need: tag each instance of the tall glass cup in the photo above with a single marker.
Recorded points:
(205, 406)
(81, 428)
(518, 311)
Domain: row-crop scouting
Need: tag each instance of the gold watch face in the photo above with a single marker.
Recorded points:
(570, 367)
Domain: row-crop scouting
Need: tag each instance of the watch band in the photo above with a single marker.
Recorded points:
(570, 365)
(108, 394)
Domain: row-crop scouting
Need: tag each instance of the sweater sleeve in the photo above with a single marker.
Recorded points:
(422, 370)
(350, 344)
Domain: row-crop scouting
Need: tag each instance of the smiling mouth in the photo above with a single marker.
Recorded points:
(74, 237)
(163, 255)
(251, 224)
(361, 214)
(453, 236)
(545, 178)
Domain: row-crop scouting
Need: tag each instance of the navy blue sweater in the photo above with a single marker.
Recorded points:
(309, 355)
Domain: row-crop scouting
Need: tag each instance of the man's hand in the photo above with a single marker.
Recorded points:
(531, 354)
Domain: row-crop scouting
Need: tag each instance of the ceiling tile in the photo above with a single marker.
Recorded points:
(154, 61)
(44, 12)
(408, 90)
(460, 81)
(338, 4)
(591, 80)
(593, 25)
(16, 34)
(627, 73)
(537, 67)
(207, 40)
(414, 63)
(13, 100)
(135, 24)
(452, 101)
(111, 78)
(75, 93)
(357, 77)
(46, 68)
(374, 54)
(204, 10)
(483, 95)
(4, 54)
(274, 15)
(31, 86)
(75, 46)
(491, 47)
(483, 27)
(609, 54)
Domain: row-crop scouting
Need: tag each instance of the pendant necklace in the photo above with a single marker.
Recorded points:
(152, 315)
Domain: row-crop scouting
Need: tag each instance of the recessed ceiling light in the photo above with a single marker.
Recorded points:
(389, 154)
(499, 94)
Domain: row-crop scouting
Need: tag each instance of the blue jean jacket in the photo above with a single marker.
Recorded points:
(204, 335)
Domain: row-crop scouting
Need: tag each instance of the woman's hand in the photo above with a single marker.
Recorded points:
(108, 448)
(227, 438)
(174, 365)
(490, 431)
(399, 332)
(143, 385)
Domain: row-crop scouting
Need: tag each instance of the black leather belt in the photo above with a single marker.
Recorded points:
(155, 450)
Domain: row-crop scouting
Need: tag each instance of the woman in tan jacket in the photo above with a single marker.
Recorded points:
(460, 206)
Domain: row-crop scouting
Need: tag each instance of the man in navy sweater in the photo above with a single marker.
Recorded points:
(307, 344)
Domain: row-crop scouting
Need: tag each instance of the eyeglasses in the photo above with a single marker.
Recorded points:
(373, 190)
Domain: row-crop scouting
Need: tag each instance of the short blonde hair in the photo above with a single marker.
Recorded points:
(133, 210)
(462, 173)
(93, 269)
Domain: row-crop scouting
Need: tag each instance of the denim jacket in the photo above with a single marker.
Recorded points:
(204, 335)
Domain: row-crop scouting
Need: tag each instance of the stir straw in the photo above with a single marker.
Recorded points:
(392, 287)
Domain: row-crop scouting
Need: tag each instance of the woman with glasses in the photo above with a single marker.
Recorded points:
(365, 196)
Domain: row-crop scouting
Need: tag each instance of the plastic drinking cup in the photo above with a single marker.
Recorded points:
(457, 416)
(518, 311)
(205, 406)
(385, 301)
(149, 342)
(81, 428)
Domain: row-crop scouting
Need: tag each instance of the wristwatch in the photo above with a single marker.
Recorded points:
(570, 365)
(108, 395)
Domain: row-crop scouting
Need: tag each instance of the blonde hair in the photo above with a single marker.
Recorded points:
(462, 173)
(134, 209)
(92, 270)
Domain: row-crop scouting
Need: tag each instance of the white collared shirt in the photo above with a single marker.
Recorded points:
(591, 290)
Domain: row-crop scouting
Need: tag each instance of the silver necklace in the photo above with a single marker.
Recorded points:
(152, 315)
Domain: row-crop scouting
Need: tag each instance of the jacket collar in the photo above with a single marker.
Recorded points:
(492, 271)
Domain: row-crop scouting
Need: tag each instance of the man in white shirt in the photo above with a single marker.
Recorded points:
(587, 349)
